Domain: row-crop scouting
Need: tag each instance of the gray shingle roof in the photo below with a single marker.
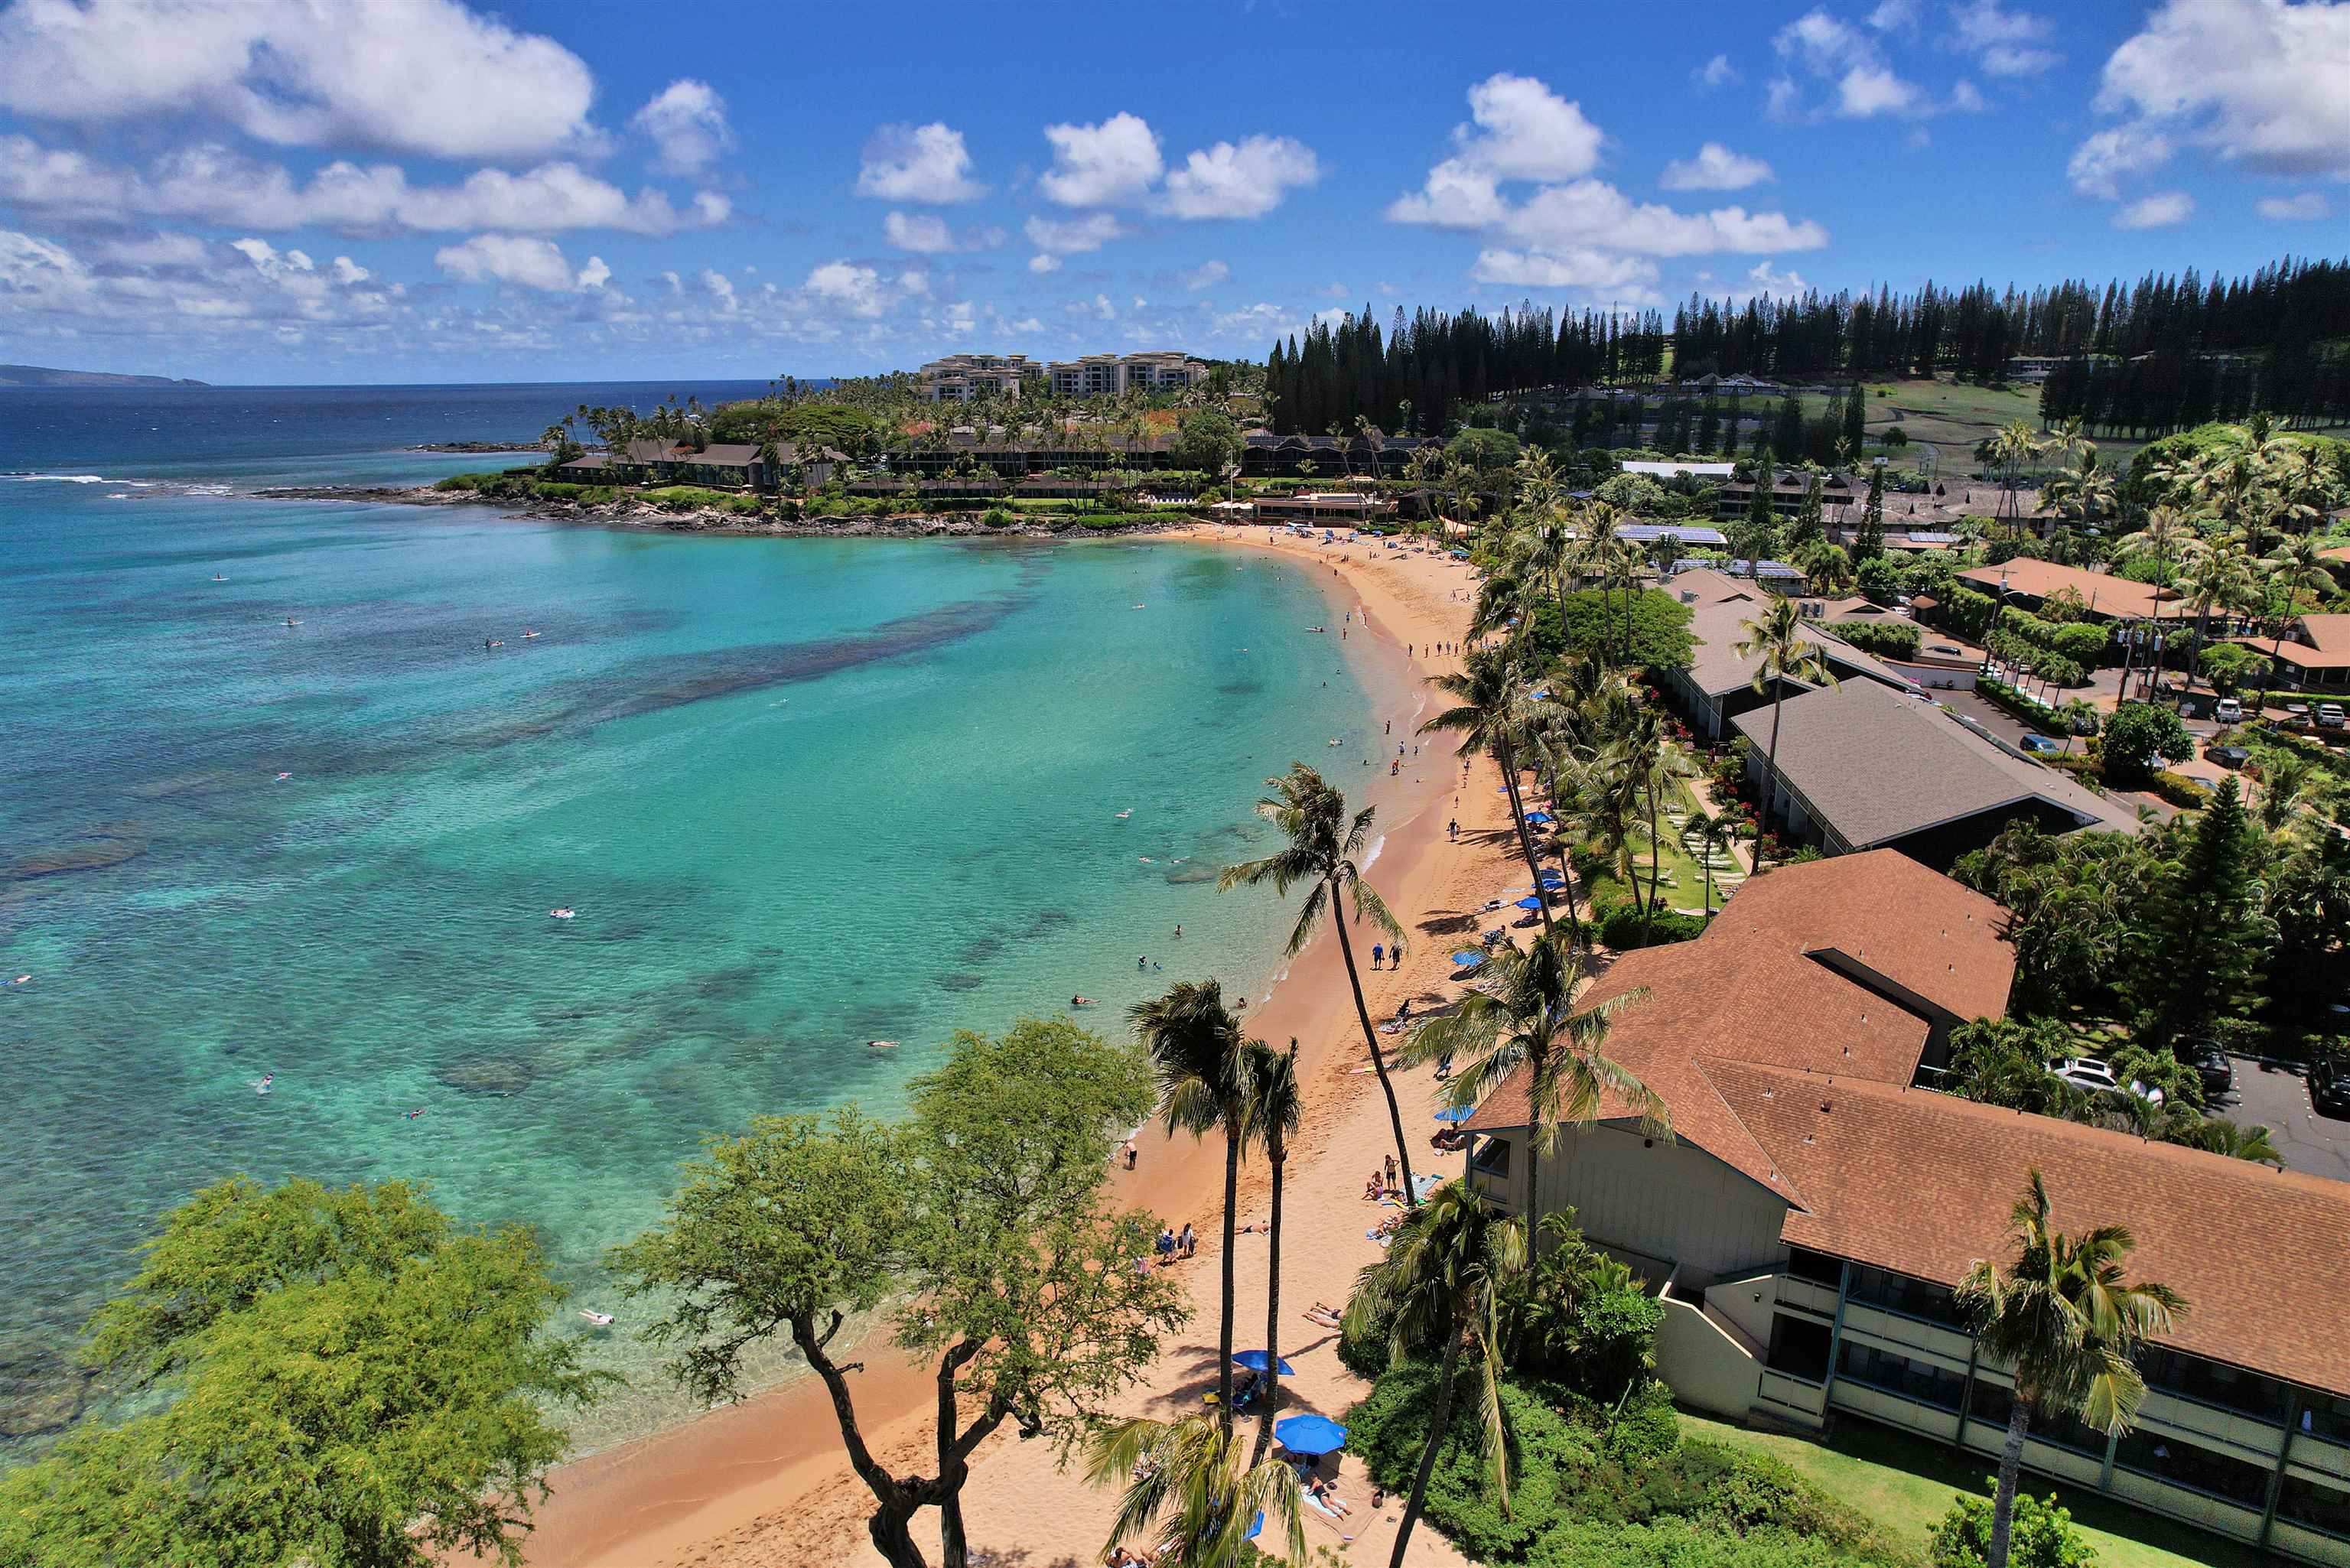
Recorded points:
(1717, 619)
(1877, 766)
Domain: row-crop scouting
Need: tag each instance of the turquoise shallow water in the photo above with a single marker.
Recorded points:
(801, 794)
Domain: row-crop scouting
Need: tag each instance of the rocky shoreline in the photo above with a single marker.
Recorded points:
(628, 514)
(478, 446)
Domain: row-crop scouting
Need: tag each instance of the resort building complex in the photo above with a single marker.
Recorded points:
(1807, 1216)
(959, 378)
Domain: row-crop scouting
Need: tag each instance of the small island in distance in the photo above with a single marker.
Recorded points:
(43, 376)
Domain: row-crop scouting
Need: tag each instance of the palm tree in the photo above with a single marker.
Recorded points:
(2009, 450)
(1786, 654)
(1490, 714)
(2296, 571)
(2060, 1313)
(2074, 713)
(2083, 492)
(1324, 849)
(1528, 1019)
(1440, 1285)
(1275, 1112)
(1187, 1492)
(1709, 835)
(2218, 579)
(1199, 1058)
(2167, 540)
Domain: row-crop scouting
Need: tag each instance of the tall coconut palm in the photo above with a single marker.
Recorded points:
(1198, 1055)
(2010, 448)
(1710, 837)
(2083, 492)
(2295, 572)
(1188, 1495)
(1786, 655)
(2218, 579)
(2060, 1314)
(2164, 542)
(1491, 713)
(1323, 852)
(1527, 1018)
(1441, 1287)
(1275, 1112)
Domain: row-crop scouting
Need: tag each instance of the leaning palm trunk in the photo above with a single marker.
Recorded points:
(1277, 1155)
(1224, 1338)
(1437, 1423)
(1525, 840)
(1771, 775)
(1656, 862)
(1378, 1058)
(2002, 1502)
(1549, 767)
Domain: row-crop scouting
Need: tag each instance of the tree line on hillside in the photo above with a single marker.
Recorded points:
(1418, 373)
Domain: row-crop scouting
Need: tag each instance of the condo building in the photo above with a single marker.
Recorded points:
(959, 378)
(1107, 375)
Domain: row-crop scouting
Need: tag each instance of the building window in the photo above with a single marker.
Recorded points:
(1818, 1268)
(2325, 1416)
(1799, 1347)
(2184, 1464)
(2317, 1504)
(1992, 1401)
(1911, 1298)
(1919, 1380)
(1492, 1158)
(2212, 1383)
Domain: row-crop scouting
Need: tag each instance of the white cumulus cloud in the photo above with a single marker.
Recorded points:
(2159, 211)
(1101, 165)
(2005, 43)
(1715, 168)
(1574, 267)
(927, 233)
(523, 260)
(1207, 274)
(1716, 72)
(2300, 207)
(1246, 179)
(1072, 237)
(2259, 83)
(917, 163)
(686, 123)
(432, 76)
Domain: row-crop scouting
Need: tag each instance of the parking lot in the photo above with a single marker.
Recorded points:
(2279, 1100)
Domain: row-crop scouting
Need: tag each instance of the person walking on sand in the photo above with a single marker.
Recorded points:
(1131, 1153)
(1378, 954)
(1189, 1240)
(1391, 1171)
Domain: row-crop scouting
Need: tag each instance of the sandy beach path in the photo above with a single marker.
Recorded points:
(764, 1483)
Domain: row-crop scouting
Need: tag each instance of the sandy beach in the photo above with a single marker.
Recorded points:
(764, 1483)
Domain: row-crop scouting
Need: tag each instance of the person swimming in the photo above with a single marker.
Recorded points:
(283, 777)
(291, 621)
(1081, 1002)
(528, 633)
(563, 914)
(261, 1085)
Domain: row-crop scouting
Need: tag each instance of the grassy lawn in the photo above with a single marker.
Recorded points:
(1906, 1485)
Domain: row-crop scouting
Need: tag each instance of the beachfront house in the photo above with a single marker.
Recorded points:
(718, 465)
(1837, 492)
(1718, 684)
(1805, 1222)
(2314, 655)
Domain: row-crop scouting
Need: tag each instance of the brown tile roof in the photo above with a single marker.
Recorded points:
(2108, 596)
(2328, 646)
(1764, 985)
(1877, 766)
(2257, 1253)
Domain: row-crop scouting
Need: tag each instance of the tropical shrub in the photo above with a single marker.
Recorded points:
(2041, 1536)
(2138, 734)
(1887, 638)
(1620, 927)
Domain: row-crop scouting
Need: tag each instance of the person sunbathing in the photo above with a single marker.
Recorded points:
(1325, 1492)
(1318, 1314)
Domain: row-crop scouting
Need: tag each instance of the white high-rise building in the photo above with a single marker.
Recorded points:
(959, 378)
(1107, 375)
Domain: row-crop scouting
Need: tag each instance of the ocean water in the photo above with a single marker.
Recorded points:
(801, 794)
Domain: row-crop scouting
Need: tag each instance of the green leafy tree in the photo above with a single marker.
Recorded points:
(2135, 735)
(1206, 440)
(2204, 941)
(1855, 432)
(1807, 525)
(2040, 1537)
(1189, 1498)
(342, 1379)
(1450, 1269)
(984, 1213)
(1200, 1063)
(2063, 1316)
(1324, 853)
(1524, 1017)
(1788, 655)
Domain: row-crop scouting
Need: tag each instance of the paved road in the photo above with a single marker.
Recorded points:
(2279, 1100)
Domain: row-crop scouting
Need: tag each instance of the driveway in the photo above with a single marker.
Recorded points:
(1993, 718)
(2279, 1100)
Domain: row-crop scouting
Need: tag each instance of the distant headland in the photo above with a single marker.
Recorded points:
(43, 376)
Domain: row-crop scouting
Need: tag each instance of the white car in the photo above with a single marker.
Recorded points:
(2228, 711)
(2089, 1073)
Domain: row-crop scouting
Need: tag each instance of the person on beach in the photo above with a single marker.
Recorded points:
(1190, 1240)
(1374, 1188)
(1141, 961)
(1452, 830)
(1131, 1154)
(1391, 1170)
(1378, 954)
(1179, 933)
(1166, 1245)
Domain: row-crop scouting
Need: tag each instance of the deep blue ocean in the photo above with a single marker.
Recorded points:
(799, 794)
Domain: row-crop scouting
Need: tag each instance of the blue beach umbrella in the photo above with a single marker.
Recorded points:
(1468, 956)
(1255, 1361)
(1538, 819)
(1310, 1435)
(1553, 879)
(1530, 902)
(1456, 1114)
(1256, 1526)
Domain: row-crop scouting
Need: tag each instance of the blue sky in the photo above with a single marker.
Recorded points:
(287, 190)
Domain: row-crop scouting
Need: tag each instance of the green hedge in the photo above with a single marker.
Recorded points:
(1620, 927)
(1887, 638)
(2187, 793)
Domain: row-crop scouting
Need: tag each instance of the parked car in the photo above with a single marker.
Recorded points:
(2043, 745)
(2330, 716)
(2228, 756)
(2329, 1090)
(1945, 650)
(2090, 1073)
(2228, 711)
(2210, 1064)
